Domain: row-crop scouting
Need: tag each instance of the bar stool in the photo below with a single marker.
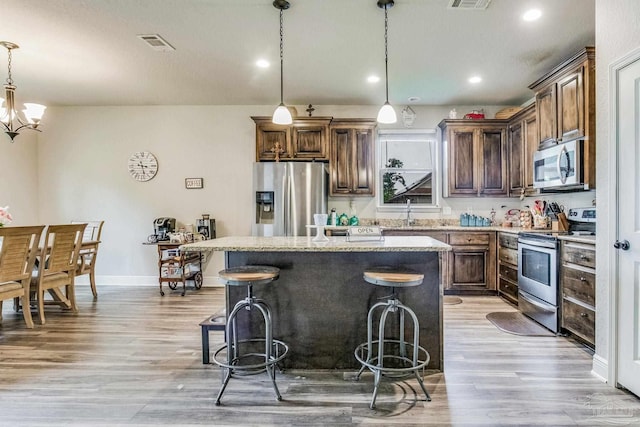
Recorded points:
(387, 356)
(240, 359)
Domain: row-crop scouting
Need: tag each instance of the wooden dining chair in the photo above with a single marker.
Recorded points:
(18, 251)
(57, 267)
(89, 251)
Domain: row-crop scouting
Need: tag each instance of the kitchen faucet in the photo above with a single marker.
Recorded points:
(410, 221)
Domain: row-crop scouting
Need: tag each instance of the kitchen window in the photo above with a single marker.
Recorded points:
(407, 165)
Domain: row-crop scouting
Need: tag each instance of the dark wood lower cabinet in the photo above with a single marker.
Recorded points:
(470, 267)
(508, 266)
(578, 290)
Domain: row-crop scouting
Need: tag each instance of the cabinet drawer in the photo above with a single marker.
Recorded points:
(469, 238)
(509, 273)
(507, 240)
(508, 288)
(578, 283)
(577, 253)
(508, 255)
(579, 320)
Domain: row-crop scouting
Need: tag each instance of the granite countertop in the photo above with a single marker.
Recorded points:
(448, 227)
(306, 244)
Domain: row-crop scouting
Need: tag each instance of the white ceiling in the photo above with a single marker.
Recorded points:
(85, 52)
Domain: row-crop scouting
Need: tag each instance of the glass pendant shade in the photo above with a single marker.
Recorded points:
(282, 116)
(387, 114)
(33, 112)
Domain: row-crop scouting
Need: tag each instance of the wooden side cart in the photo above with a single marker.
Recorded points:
(175, 266)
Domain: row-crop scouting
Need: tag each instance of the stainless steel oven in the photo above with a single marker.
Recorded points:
(538, 278)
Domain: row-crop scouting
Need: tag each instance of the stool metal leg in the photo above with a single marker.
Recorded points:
(376, 364)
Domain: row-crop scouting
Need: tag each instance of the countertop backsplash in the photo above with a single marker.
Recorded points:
(366, 211)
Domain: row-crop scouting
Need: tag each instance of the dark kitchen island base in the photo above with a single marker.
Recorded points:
(320, 302)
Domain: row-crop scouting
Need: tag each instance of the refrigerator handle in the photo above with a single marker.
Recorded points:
(286, 193)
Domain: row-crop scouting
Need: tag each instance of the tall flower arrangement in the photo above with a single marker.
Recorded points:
(5, 216)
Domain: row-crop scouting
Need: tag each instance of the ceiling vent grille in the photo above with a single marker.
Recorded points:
(156, 42)
(469, 4)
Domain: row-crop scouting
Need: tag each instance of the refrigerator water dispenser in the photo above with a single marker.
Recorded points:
(264, 207)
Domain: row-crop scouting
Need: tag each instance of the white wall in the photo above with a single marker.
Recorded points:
(617, 33)
(19, 177)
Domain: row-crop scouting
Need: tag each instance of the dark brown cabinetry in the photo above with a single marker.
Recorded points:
(475, 158)
(472, 262)
(523, 142)
(351, 164)
(577, 285)
(565, 106)
(508, 266)
(306, 139)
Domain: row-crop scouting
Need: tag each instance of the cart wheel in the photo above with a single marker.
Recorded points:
(197, 280)
(161, 293)
(173, 285)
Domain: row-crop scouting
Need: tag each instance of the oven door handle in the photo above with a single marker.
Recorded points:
(536, 303)
(537, 243)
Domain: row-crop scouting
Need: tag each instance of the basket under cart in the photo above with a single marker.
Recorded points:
(175, 266)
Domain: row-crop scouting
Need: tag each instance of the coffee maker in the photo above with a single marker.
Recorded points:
(162, 227)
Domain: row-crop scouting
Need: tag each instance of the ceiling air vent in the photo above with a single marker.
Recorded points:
(469, 4)
(156, 42)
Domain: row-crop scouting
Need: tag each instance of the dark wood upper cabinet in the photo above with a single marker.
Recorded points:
(352, 160)
(565, 100)
(523, 142)
(475, 157)
(306, 139)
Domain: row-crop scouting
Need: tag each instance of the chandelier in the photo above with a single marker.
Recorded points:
(9, 117)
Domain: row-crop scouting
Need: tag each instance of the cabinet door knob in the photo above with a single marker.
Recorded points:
(582, 279)
(584, 257)
(584, 315)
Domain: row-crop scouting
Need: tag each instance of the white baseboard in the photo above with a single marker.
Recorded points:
(600, 368)
(208, 281)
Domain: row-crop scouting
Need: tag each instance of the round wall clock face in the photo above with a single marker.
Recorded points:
(143, 166)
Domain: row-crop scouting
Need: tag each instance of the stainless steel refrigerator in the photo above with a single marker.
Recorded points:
(286, 195)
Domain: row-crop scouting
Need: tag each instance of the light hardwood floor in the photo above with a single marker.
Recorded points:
(133, 358)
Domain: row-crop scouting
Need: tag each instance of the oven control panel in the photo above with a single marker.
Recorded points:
(582, 214)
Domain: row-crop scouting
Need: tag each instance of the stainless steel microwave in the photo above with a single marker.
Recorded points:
(560, 167)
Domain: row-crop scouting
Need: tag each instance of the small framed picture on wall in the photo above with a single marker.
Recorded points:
(193, 183)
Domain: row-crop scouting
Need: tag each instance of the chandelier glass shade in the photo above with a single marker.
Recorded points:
(9, 117)
(386, 114)
(282, 115)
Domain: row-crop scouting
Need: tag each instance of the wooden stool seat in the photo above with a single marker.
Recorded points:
(389, 276)
(249, 274)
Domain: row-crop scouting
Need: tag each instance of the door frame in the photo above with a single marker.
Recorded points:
(612, 227)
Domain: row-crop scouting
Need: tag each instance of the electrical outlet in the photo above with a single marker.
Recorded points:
(446, 210)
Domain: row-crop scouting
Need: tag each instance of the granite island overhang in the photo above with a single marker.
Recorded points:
(320, 301)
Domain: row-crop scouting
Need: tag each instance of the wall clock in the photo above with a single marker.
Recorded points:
(143, 166)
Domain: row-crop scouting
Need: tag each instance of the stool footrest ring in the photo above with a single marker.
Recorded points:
(280, 350)
(372, 362)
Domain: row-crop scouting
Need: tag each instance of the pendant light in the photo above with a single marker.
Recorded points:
(386, 114)
(282, 115)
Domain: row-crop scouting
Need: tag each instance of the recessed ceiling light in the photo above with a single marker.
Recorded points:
(532, 15)
(475, 79)
(413, 99)
(373, 79)
(262, 63)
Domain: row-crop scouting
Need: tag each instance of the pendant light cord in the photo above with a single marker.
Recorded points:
(386, 55)
(281, 61)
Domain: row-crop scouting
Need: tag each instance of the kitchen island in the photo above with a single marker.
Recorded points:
(320, 301)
